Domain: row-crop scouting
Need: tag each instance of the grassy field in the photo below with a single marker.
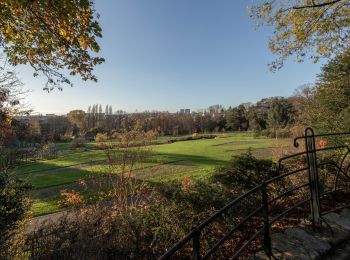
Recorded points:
(197, 158)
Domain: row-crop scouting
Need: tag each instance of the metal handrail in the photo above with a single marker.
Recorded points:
(312, 165)
(208, 221)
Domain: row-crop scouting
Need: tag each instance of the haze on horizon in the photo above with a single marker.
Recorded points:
(167, 55)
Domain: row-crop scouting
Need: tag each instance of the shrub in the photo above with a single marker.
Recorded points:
(244, 172)
(271, 133)
(70, 198)
(78, 142)
(137, 221)
(66, 139)
(13, 208)
(100, 137)
(266, 133)
(193, 137)
(283, 133)
(114, 134)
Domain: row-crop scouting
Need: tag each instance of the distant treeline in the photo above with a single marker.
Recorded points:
(324, 106)
(269, 113)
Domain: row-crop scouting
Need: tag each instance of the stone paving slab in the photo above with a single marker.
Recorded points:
(331, 242)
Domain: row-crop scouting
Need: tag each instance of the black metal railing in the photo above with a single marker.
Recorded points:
(314, 195)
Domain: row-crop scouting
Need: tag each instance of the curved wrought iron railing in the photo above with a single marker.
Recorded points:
(313, 195)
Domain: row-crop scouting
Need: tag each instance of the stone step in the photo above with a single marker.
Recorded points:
(314, 244)
(331, 241)
(341, 252)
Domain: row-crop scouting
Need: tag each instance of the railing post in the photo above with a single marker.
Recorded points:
(310, 147)
(267, 234)
(196, 255)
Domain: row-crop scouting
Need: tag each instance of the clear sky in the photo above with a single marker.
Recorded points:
(172, 54)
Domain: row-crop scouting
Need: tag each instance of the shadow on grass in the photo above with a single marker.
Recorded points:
(195, 159)
(62, 161)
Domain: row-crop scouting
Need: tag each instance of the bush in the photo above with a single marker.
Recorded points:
(13, 207)
(78, 142)
(140, 229)
(265, 133)
(100, 137)
(114, 135)
(271, 133)
(190, 138)
(244, 172)
(146, 224)
(66, 139)
(283, 133)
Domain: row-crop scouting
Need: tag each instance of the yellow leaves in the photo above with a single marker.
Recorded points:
(51, 34)
(63, 32)
(8, 119)
(83, 43)
(321, 32)
(322, 49)
(8, 30)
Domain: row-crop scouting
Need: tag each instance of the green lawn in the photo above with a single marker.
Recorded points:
(68, 159)
(197, 158)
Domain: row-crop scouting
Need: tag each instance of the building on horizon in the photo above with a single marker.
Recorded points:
(185, 111)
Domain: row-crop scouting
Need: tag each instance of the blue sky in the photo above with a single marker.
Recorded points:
(172, 54)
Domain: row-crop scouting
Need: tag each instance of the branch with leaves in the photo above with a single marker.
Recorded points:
(304, 28)
(51, 36)
(11, 100)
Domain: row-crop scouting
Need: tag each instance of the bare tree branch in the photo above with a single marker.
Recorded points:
(314, 5)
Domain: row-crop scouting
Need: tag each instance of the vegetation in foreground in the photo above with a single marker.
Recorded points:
(142, 221)
(132, 219)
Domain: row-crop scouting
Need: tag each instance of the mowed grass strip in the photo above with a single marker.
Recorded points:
(45, 180)
(210, 153)
(42, 207)
(63, 161)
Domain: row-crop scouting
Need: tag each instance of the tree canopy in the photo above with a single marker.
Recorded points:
(77, 118)
(11, 102)
(51, 36)
(305, 28)
(330, 106)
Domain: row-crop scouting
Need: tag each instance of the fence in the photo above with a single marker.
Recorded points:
(33, 245)
(264, 216)
(14, 157)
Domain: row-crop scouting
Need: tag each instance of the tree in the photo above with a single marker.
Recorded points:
(279, 113)
(300, 101)
(77, 119)
(51, 36)
(106, 110)
(330, 106)
(11, 101)
(236, 119)
(305, 28)
(256, 121)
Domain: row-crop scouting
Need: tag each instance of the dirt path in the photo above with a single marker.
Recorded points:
(37, 222)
